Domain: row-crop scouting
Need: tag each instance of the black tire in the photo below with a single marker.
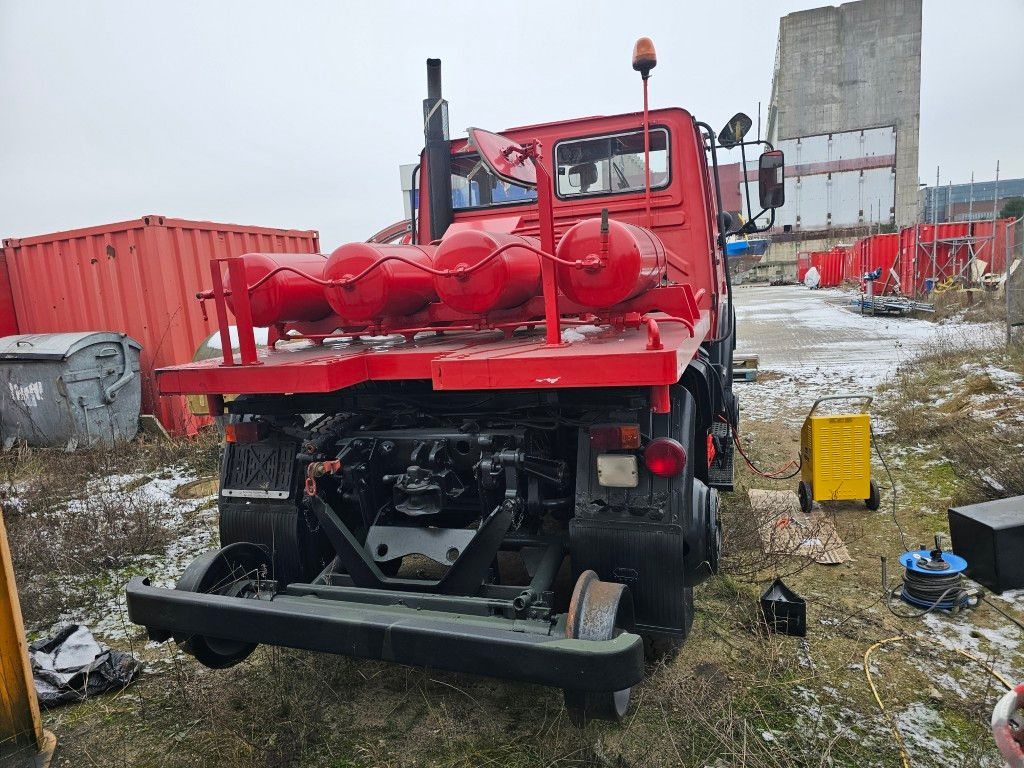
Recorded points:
(226, 571)
(806, 496)
(874, 501)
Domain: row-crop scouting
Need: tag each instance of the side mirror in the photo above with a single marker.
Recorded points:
(734, 131)
(771, 179)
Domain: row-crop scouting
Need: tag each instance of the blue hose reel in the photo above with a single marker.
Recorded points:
(934, 579)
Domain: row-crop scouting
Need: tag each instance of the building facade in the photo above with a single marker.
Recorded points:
(845, 108)
(968, 202)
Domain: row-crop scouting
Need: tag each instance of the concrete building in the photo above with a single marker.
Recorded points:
(845, 108)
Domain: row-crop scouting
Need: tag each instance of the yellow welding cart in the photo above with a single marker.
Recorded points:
(835, 456)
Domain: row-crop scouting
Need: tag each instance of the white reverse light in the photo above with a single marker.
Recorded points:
(617, 470)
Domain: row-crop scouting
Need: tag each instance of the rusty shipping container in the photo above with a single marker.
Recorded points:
(137, 277)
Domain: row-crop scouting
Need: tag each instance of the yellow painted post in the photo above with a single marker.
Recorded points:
(21, 728)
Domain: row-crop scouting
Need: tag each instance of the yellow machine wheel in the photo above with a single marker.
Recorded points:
(874, 500)
(806, 497)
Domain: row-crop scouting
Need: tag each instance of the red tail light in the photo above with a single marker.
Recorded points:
(665, 457)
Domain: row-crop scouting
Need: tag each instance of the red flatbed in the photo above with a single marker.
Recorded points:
(454, 361)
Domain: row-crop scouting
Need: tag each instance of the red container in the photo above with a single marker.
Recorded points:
(851, 263)
(392, 289)
(8, 314)
(803, 263)
(137, 277)
(836, 265)
(508, 280)
(831, 266)
(858, 260)
(635, 262)
(878, 252)
(285, 297)
(818, 262)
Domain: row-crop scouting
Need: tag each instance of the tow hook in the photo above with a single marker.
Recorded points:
(318, 469)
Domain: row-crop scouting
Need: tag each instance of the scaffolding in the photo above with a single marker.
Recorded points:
(953, 253)
(954, 258)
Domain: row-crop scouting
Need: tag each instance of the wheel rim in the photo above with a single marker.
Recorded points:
(598, 610)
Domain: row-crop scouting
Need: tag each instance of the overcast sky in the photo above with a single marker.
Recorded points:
(299, 114)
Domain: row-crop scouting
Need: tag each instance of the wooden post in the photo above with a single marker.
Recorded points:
(21, 728)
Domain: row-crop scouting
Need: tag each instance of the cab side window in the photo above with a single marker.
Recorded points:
(606, 165)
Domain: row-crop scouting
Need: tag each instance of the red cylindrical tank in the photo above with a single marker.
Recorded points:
(394, 288)
(285, 297)
(506, 281)
(634, 261)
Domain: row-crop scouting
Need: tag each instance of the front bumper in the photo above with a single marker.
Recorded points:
(459, 642)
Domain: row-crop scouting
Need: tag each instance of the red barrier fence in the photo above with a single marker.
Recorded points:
(879, 252)
(925, 255)
(803, 263)
(831, 266)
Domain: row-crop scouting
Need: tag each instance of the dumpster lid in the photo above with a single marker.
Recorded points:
(56, 346)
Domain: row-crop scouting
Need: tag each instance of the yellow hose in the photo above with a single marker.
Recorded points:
(904, 757)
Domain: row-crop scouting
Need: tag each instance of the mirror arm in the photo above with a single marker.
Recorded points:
(755, 229)
(746, 181)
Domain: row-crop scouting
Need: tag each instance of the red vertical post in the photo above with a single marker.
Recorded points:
(647, 158)
(243, 311)
(549, 278)
(222, 312)
(660, 402)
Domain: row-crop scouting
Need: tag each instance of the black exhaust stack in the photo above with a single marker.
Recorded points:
(438, 150)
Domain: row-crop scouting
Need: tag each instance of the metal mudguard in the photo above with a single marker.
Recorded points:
(322, 619)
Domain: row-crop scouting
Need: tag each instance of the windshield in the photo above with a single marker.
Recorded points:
(474, 186)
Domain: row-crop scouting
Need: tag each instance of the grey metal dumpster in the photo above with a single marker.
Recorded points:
(69, 389)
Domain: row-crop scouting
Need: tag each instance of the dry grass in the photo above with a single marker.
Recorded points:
(735, 697)
(71, 517)
(974, 305)
(960, 403)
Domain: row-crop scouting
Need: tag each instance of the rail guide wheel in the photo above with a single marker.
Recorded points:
(598, 610)
(236, 570)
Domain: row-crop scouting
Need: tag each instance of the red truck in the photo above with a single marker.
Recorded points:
(492, 445)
